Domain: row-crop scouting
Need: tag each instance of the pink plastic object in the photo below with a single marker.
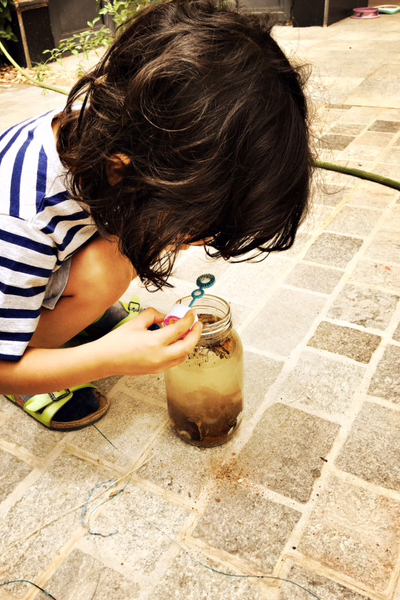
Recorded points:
(171, 319)
(178, 311)
(365, 13)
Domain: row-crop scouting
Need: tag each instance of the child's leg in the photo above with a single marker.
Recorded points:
(99, 275)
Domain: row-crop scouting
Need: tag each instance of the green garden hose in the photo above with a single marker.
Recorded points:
(392, 183)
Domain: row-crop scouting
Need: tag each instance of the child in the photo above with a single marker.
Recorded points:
(193, 130)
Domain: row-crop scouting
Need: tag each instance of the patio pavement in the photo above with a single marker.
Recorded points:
(309, 489)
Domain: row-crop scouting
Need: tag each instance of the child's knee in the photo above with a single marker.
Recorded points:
(101, 271)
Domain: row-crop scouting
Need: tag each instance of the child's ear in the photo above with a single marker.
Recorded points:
(116, 167)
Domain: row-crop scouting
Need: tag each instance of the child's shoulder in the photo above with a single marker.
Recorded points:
(30, 168)
(11, 134)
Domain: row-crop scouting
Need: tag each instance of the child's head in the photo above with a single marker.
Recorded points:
(210, 120)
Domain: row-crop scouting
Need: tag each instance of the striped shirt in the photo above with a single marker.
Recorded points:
(40, 227)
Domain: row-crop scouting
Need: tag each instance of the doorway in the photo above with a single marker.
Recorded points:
(71, 17)
(280, 9)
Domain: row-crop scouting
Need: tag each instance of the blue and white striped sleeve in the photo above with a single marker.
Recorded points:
(27, 260)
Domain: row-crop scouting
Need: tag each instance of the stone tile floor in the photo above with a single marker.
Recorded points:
(309, 489)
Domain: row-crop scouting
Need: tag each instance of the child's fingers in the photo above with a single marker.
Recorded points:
(147, 318)
(182, 347)
(159, 317)
(174, 362)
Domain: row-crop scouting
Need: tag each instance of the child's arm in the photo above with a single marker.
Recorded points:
(128, 350)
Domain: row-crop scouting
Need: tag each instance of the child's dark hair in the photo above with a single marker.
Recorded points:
(214, 119)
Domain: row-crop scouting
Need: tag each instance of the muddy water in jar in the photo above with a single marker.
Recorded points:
(205, 393)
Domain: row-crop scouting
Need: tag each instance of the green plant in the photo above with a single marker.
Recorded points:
(42, 70)
(94, 37)
(121, 10)
(83, 42)
(6, 32)
(79, 44)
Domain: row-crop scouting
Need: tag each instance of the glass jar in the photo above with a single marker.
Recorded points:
(205, 393)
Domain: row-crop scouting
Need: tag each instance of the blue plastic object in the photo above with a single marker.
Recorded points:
(203, 282)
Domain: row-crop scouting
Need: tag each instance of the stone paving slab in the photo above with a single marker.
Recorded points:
(184, 474)
(314, 278)
(372, 195)
(37, 518)
(30, 438)
(13, 471)
(322, 383)
(377, 274)
(81, 577)
(354, 221)
(372, 447)
(347, 341)
(188, 579)
(290, 314)
(134, 520)
(129, 423)
(365, 307)
(386, 379)
(321, 586)
(257, 530)
(355, 531)
(333, 250)
(287, 451)
(308, 490)
(385, 246)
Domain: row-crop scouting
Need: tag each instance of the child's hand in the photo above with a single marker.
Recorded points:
(134, 350)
